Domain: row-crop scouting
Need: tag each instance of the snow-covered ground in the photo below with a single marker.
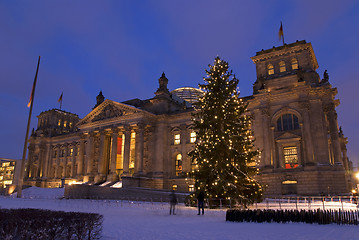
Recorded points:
(132, 220)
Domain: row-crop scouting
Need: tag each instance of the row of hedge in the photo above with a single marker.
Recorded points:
(285, 216)
(46, 224)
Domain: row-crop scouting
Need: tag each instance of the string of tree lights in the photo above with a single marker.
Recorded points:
(224, 154)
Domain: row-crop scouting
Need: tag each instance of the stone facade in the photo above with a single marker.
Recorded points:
(144, 143)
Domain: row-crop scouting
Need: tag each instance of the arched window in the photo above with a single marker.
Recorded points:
(294, 64)
(270, 69)
(282, 66)
(287, 122)
(178, 164)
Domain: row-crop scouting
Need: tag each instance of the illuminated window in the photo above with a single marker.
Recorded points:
(174, 187)
(193, 137)
(77, 150)
(120, 151)
(191, 188)
(178, 164)
(177, 139)
(59, 122)
(290, 157)
(132, 152)
(270, 69)
(71, 152)
(282, 66)
(287, 122)
(294, 64)
(70, 124)
(65, 123)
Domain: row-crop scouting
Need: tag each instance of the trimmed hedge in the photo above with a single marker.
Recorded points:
(285, 216)
(46, 224)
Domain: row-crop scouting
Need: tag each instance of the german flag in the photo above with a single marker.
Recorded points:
(60, 98)
(32, 94)
(280, 33)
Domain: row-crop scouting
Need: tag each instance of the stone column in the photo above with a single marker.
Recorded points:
(47, 160)
(65, 161)
(139, 149)
(90, 153)
(41, 160)
(329, 110)
(273, 159)
(160, 144)
(126, 154)
(57, 174)
(186, 166)
(73, 163)
(306, 135)
(113, 176)
(149, 145)
(101, 154)
(266, 156)
(80, 157)
(29, 160)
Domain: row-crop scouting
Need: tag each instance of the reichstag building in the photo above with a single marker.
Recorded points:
(144, 143)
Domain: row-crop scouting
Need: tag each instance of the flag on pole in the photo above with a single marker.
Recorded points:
(32, 94)
(280, 33)
(60, 100)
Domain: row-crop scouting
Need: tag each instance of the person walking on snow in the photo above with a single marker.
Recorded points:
(173, 202)
(200, 199)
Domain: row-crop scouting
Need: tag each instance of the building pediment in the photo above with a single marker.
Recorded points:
(287, 136)
(108, 110)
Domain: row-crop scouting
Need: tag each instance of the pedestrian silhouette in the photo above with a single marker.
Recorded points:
(200, 200)
(173, 202)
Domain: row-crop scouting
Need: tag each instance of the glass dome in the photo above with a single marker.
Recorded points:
(189, 94)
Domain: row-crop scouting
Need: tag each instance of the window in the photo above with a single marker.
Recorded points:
(55, 154)
(191, 188)
(178, 164)
(287, 122)
(193, 137)
(174, 187)
(177, 139)
(282, 66)
(270, 69)
(132, 152)
(71, 152)
(290, 157)
(294, 64)
(70, 124)
(62, 153)
(65, 123)
(59, 122)
(77, 150)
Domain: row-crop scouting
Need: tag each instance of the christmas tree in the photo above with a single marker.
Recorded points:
(224, 154)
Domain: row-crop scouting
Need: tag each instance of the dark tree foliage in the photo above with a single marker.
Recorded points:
(224, 154)
(47, 224)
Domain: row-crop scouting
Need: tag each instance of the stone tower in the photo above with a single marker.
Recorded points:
(296, 124)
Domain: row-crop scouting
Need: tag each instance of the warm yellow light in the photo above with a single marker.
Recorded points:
(357, 175)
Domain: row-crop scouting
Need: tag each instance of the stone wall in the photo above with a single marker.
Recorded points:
(133, 194)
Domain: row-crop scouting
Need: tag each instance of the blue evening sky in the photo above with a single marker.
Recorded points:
(122, 47)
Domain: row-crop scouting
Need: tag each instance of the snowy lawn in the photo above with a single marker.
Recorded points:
(131, 220)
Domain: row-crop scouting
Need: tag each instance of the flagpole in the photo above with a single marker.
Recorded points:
(21, 179)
